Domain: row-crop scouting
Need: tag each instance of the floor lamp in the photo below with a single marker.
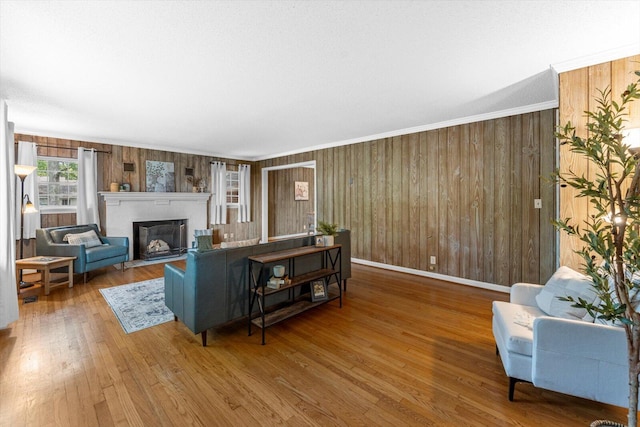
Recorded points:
(22, 171)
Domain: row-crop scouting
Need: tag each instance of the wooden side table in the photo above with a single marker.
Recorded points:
(45, 264)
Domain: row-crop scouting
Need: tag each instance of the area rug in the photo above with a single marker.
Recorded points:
(142, 262)
(138, 305)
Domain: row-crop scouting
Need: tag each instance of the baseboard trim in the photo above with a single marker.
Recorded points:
(446, 278)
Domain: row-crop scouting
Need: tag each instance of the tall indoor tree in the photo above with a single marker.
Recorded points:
(611, 247)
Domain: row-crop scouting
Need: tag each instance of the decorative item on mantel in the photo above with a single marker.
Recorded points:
(114, 187)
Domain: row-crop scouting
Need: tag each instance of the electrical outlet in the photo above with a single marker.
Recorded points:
(226, 235)
(432, 260)
(537, 203)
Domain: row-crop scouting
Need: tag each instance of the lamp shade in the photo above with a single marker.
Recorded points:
(29, 207)
(23, 170)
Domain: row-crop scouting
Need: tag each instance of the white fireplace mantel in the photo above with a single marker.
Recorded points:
(123, 208)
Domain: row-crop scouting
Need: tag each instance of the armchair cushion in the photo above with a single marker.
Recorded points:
(88, 238)
(509, 320)
(98, 253)
(565, 282)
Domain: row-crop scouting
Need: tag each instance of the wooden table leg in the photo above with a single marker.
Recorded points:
(18, 270)
(47, 276)
(71, 273)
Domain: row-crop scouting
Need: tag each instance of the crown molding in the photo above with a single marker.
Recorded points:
(597, 58)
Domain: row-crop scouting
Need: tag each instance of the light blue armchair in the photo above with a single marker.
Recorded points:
(113, 250)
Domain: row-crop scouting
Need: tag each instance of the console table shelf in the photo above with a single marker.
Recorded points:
(331, 266)
(297, 281)
(301, 305)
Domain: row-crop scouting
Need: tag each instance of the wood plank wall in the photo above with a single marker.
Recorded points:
(463, 194)
(578, 93)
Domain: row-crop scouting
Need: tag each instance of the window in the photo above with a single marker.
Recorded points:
(232, 188)
(57, 184)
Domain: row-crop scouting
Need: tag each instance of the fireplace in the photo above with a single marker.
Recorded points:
(159, 239)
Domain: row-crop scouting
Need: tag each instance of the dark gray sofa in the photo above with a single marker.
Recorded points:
(213, 289)
(114, 250)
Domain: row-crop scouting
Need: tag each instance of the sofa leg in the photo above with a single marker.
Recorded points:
(512, 387)
(344, 285)
(122, 266)
(204, 338)
(175, 318)
(85, 278)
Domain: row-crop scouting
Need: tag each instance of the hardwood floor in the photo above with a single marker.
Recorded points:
(403, 350)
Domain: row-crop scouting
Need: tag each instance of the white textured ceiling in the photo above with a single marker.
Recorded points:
(254, 79)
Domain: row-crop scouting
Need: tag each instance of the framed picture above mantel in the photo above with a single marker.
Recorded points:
(160, 176)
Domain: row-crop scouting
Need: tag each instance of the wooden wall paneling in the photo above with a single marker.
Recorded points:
(379, 156)
(423, 207)
(341, 187)
(412, 159)
(443, 205)
(488, 177)
(548, 192)
(476, 202)
(432, 183)
(403, 208)
(320, 184)
(530, 190)
(501, 207)
(330, 190)
(365, 234)
(573, 103)
(395, 236)
(516, 214)
(464, 211)
(389, 225)
(453, 213)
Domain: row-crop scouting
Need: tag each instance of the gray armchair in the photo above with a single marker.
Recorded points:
(50, 242)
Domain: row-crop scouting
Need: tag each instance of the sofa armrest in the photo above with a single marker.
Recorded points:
(581, 359)
(525, 293)
(173, 289)
(64, 249)
(120, 241)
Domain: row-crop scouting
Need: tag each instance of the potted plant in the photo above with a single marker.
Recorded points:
(329, 231)
(611, 250)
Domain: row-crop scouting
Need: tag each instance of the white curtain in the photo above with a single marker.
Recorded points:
(219, 193)
(8, 289)
(244, 193)
(87, 209)
(28, 156)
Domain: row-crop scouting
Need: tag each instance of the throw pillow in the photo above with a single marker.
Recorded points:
(88, 238)
(565, 282)
(204, 243)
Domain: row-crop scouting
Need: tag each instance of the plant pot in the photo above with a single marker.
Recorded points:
(328, 240)
(606, 423)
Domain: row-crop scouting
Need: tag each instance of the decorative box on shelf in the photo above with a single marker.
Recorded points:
(277, 282)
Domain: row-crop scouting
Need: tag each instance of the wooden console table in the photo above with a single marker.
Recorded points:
(45, 264)
(331, 267)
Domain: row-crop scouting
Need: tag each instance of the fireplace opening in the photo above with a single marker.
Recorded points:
(159, 239)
